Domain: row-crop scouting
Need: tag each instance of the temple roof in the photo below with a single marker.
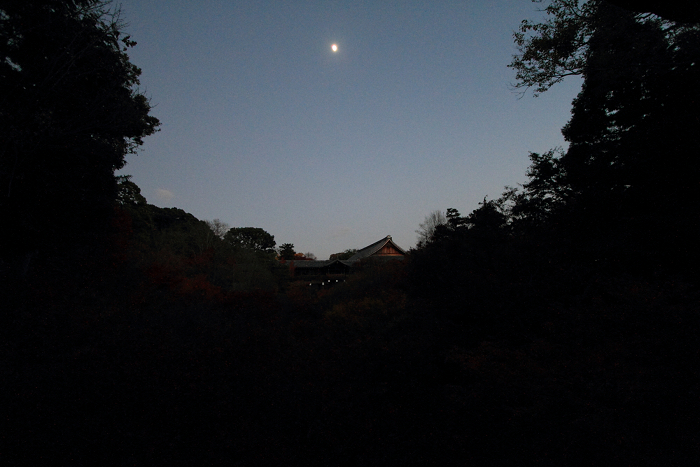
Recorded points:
(374, 248)
(305, 264)
(366, 252)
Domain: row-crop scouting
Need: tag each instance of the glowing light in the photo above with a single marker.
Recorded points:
(334, 47)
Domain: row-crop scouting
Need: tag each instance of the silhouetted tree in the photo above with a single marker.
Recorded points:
(128, 193)
(218, 228)
(287, 251)
(541, 198)
(616, 188)
(636, 108)
(487, 221)
(70, 111)
(426, 229)
(251, 238)
(676, 10)
(557, 47)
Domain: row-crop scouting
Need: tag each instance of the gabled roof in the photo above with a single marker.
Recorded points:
(315, 264)
(374, 248)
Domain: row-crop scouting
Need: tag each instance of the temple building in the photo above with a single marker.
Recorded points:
(335, 270)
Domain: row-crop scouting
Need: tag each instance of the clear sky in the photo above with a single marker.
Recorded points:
(263, 125)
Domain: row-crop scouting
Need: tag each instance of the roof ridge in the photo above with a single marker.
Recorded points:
(373, 248)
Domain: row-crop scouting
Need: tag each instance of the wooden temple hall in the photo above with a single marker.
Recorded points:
(335, 270)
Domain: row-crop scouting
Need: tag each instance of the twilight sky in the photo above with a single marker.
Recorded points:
(263, 125)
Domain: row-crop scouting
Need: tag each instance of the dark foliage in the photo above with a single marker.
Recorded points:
(105, 365)
(676, 10)
(252, 238)
(564, 299)
(343, 255)
(531, 331)
(287, 251)
(70, 111)
(624, 189)
(636, 164)
(183, 251)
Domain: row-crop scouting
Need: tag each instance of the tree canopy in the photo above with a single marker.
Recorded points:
(555, 48)
(627, 181)
(70, 112)
(287, 251)
(625, 186)
(251, 238)
(558, 47)
(426, 229)
(676, 10)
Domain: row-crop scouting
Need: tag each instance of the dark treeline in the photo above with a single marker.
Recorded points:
(554, 325)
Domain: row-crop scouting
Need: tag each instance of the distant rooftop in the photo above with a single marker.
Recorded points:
(384, 247)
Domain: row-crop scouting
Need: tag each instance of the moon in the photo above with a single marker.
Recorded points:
(334, 47)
